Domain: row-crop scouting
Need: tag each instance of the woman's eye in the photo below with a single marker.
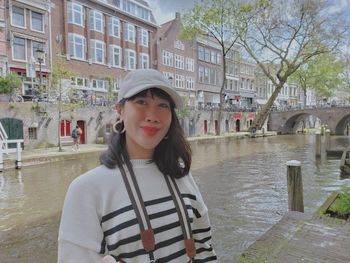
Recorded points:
(164, 105)
(141, 102)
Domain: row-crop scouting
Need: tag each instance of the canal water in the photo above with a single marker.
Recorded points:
(242, 181)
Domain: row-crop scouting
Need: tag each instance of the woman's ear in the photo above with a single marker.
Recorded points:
(119, 108)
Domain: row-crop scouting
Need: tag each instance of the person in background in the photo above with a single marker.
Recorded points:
(142, 203)
(76, 137)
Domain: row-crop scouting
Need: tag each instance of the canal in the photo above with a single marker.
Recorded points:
(242, 181)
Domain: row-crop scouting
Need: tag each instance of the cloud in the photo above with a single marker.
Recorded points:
(338, 6)
(164, 10)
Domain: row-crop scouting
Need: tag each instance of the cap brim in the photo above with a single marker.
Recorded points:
(170, 91)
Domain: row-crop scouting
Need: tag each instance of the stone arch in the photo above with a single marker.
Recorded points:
(290, 126)
(341, 125)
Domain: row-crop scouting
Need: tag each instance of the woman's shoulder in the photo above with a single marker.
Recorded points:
(96, 177)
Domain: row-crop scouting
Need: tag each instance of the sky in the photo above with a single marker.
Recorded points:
(164, 10)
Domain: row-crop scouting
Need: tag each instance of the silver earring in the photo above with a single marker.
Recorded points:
(117, 127)
(166, 136)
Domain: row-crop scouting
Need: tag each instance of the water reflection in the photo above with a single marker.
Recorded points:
(242, 181)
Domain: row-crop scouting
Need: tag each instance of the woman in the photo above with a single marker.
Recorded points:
(141, 204)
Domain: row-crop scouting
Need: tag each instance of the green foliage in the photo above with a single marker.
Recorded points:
(43, 145)
(185, 110)
(9, 83)
(341, 205)
(322, 74)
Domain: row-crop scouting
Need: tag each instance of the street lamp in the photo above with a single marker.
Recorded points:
(39, 54)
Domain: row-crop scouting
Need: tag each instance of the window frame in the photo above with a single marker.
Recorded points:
(168, 58)
(42, 21)
(13, 49)
(33, 51)
(144, 57)
(133, 31)
(144, 38)
(24, 17)
(74, 35)
(94, 49)
(112, 56)
(128, 51)
(76, 13)
(112, 25)
(94, 19)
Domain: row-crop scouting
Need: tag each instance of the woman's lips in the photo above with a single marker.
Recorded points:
(150, 130)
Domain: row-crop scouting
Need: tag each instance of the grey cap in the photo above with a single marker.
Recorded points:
(141, 79)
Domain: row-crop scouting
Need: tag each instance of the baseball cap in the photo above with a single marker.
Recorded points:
(141, 79)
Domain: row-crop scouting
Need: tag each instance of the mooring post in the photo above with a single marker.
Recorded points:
(328, 139)
(1, 156)
(295, 186)
(19, 156)
(318, 144)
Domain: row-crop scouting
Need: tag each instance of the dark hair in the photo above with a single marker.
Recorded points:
(172, 155)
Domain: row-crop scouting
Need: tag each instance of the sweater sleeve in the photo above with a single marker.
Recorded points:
(80, 234)
(201, 230)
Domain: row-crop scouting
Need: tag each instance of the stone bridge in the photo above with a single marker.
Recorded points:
(287, 122)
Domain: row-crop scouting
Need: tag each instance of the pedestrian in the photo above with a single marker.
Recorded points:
(142, 203)
(76, 137)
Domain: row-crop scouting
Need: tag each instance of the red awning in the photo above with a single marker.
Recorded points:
(251, 115)
(237, 115)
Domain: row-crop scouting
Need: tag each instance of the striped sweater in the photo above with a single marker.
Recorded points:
(98, 218)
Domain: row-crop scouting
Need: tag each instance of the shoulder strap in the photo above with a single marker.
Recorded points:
(147, 233)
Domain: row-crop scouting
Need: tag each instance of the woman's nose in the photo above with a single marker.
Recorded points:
(152, 114)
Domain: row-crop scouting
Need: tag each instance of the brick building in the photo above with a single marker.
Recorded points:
(176, 58)
(101, 40)
(28, 26)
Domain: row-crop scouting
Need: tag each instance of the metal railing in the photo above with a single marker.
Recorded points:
(4, 149)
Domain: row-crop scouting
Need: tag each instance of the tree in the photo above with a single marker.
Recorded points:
(285, 35)
(9, 84)
(60, 72)
(323, 74)
(220, 21)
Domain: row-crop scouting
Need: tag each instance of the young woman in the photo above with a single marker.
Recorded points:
(141, 204)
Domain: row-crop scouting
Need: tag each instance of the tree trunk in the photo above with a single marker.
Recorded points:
(304, 98)
(265, 110)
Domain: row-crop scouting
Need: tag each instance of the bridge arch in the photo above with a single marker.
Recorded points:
(291, 124)
(340, 128)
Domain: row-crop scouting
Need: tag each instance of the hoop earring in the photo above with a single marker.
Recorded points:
(166, 136)
(118, 130)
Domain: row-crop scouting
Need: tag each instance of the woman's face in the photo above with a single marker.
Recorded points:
(146, 121)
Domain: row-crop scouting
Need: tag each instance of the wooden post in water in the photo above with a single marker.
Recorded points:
(328, 139)
(318, 144)
(295, 186)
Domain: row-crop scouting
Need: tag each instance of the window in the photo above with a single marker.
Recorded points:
(35, 46)
(79, 82)
(100, 84)
(131, 59)
(213, 57)
(144, 37)
(108, 128)
(116, 55)
(169, 76)
(19, 48)
(130, 33)
(98, 51)
(207, 55)
(134, 9)
(37, 21)
(190, 64)
(179, 62)
(76, 46)
(206, 75)
(179, 81)
(218, 58)
(75, 14)
(167, 58)
(201, 53)
(144, 60)
(32, 131)
(65, 128)
(18, 16)
(96, 21)
(201, 74)
(114, 27)
(189, 83)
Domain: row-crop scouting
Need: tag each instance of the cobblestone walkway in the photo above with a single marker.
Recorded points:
(299, 237)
